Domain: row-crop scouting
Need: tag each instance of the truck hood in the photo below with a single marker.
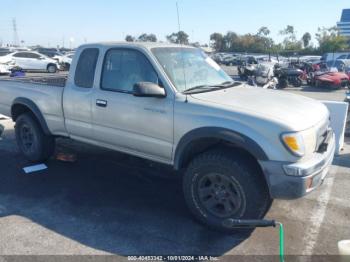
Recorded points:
(295, 111)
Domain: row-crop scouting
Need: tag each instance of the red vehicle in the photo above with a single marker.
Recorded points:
(331, 79)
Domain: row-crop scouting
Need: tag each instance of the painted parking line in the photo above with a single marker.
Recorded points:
(318, 213)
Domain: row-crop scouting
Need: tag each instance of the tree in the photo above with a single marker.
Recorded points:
(306, 39)
(330, 41)
(289, 31)
(147, 38)
(259, 42)
(290, 41)
(129, 38)
(263, 42)
(230, 41)
(179, 38)
(263, 31)
(217, 41)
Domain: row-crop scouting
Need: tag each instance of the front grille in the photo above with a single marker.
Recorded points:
(322, 134)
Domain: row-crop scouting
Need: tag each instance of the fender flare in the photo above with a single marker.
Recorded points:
(34, 109)
(237, 139)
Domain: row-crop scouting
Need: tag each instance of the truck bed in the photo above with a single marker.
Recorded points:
(50, 80)
(45, 92)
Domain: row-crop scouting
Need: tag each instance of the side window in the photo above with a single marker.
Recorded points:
(342, 57)
(33, 55)
(123, 68)
(85, 71)
(21, 55)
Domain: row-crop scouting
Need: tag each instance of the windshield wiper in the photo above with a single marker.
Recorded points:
(200, 87)
(206, 88)
(227, 83)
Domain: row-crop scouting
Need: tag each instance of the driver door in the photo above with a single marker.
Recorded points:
(138, 125)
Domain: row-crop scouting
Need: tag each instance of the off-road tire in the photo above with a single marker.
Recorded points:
(256, 200)
(43, 145)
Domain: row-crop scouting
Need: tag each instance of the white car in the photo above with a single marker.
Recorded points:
(31, 61)
(5, 69)
(66, 60)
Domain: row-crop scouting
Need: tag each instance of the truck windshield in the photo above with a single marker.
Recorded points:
(189, 68)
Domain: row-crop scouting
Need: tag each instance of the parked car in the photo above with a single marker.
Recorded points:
(229, 60)
(5, 51)
(344, 56)
(31, 61)
(220, 57)
(347, 96)
(66, 61)
(310, 58)
(5, 69)
(237, 147)
(288, 76)
(330, 79)
(334, 56)
(340, 64)
(51, 54)
(245, 71)
(264, 76)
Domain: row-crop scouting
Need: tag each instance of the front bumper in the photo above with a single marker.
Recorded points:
(4, 69)
(313, 172)
(334, 84)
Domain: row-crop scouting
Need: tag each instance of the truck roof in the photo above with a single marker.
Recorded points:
(147, 45)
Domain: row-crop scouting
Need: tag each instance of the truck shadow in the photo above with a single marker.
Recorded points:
(108, 201)
(321, 89)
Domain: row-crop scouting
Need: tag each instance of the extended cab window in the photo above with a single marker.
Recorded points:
(123, 68)
(85, 71)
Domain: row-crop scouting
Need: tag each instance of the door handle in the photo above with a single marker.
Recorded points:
(101, 103)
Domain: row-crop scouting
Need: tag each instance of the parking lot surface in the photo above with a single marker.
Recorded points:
(111, 203)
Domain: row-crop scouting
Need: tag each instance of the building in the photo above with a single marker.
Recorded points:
(344, 24)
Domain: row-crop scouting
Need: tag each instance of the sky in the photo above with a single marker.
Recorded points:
(73, 22)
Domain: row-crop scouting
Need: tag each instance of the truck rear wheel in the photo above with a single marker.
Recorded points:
(218, 185)
(34, 144)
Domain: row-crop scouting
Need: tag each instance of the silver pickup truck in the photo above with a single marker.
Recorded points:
(237, 147)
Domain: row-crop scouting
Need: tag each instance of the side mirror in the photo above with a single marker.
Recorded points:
(148, 89)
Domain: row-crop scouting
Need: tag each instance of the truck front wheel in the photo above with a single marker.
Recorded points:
(35, 145)
(219, 185)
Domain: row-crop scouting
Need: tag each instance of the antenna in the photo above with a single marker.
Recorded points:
(178, 16)
(182, 55)
(15, 33)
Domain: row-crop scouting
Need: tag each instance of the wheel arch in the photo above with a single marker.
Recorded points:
(200, 139)
(23, 105)
(50, 64)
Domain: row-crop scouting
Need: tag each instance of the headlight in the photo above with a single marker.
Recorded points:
(294, 142)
